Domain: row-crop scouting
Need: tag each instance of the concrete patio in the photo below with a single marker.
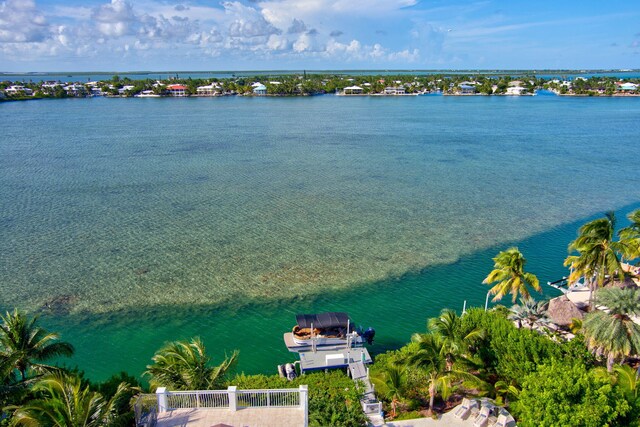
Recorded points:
(247, 417)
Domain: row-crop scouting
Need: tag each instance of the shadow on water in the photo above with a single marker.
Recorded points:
(396, 308)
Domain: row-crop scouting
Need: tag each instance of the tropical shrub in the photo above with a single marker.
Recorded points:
(509, 353)
(565, 394)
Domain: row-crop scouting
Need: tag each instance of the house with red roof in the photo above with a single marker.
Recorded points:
(177, 90)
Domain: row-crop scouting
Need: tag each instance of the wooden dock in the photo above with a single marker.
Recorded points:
(332, 358)
(354, 359)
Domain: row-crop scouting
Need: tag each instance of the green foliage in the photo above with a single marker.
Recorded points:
(613, 332)
(597, 252)
(334, 399)
(511, 353)
(391, 384)
(627, 381)
(109, 388)
(62, 401)
(27, 345)
(563, 394)
(528, 312)
(630, 236)
(509, 275)
(443, 356)
(182, 365)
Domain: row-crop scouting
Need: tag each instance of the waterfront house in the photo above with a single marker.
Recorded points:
(123, 90)
(466, 89)
(50, 85)
(74, 89)
(208, 90)
(177, 90)
(394, 90)
(627, 86)
(96, 91)
(516, 90)
(18, 90)
(352, 90)
(259, 89)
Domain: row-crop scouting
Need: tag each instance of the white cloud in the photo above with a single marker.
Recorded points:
(115, 19)
(307, 42)
(278, 42)
(21, 22)
(117, 28)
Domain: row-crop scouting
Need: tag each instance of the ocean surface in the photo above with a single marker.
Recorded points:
(129, 222)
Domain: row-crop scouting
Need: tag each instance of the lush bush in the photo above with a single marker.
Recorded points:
(510, 353)
(416, 381)
(108, 389)
(565, 394)
(334, 399)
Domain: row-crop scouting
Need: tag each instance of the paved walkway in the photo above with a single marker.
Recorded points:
(247, 417)
(448, 420)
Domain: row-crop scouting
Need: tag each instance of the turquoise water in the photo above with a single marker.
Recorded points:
(129, 222)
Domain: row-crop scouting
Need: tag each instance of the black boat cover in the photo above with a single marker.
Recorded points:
(323, 320)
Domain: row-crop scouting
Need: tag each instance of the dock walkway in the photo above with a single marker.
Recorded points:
(370, 405)
(355, 360)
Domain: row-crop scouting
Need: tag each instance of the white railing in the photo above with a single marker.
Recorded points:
(197, 399)
(233, 399)
(283, 398)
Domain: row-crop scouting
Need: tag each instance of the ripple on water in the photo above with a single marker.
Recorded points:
(114, 204)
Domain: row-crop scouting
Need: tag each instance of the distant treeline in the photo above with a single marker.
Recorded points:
(317, 84)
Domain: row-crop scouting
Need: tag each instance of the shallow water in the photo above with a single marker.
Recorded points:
(139, 221)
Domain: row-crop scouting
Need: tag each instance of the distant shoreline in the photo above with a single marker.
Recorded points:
(310, 84)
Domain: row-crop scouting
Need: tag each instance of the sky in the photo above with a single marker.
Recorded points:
(199, 35)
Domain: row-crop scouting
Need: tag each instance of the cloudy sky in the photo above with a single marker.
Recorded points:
(127, 35)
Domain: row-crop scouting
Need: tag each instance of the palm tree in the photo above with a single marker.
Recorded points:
(529, 311)
(391, 383)
(183, 365)
(431, 358)
(509, 273)
(628, 381)
(27, 344)
(64, 402)
(598, 253)
(455, 346)
(630, 236)
(613, 333)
